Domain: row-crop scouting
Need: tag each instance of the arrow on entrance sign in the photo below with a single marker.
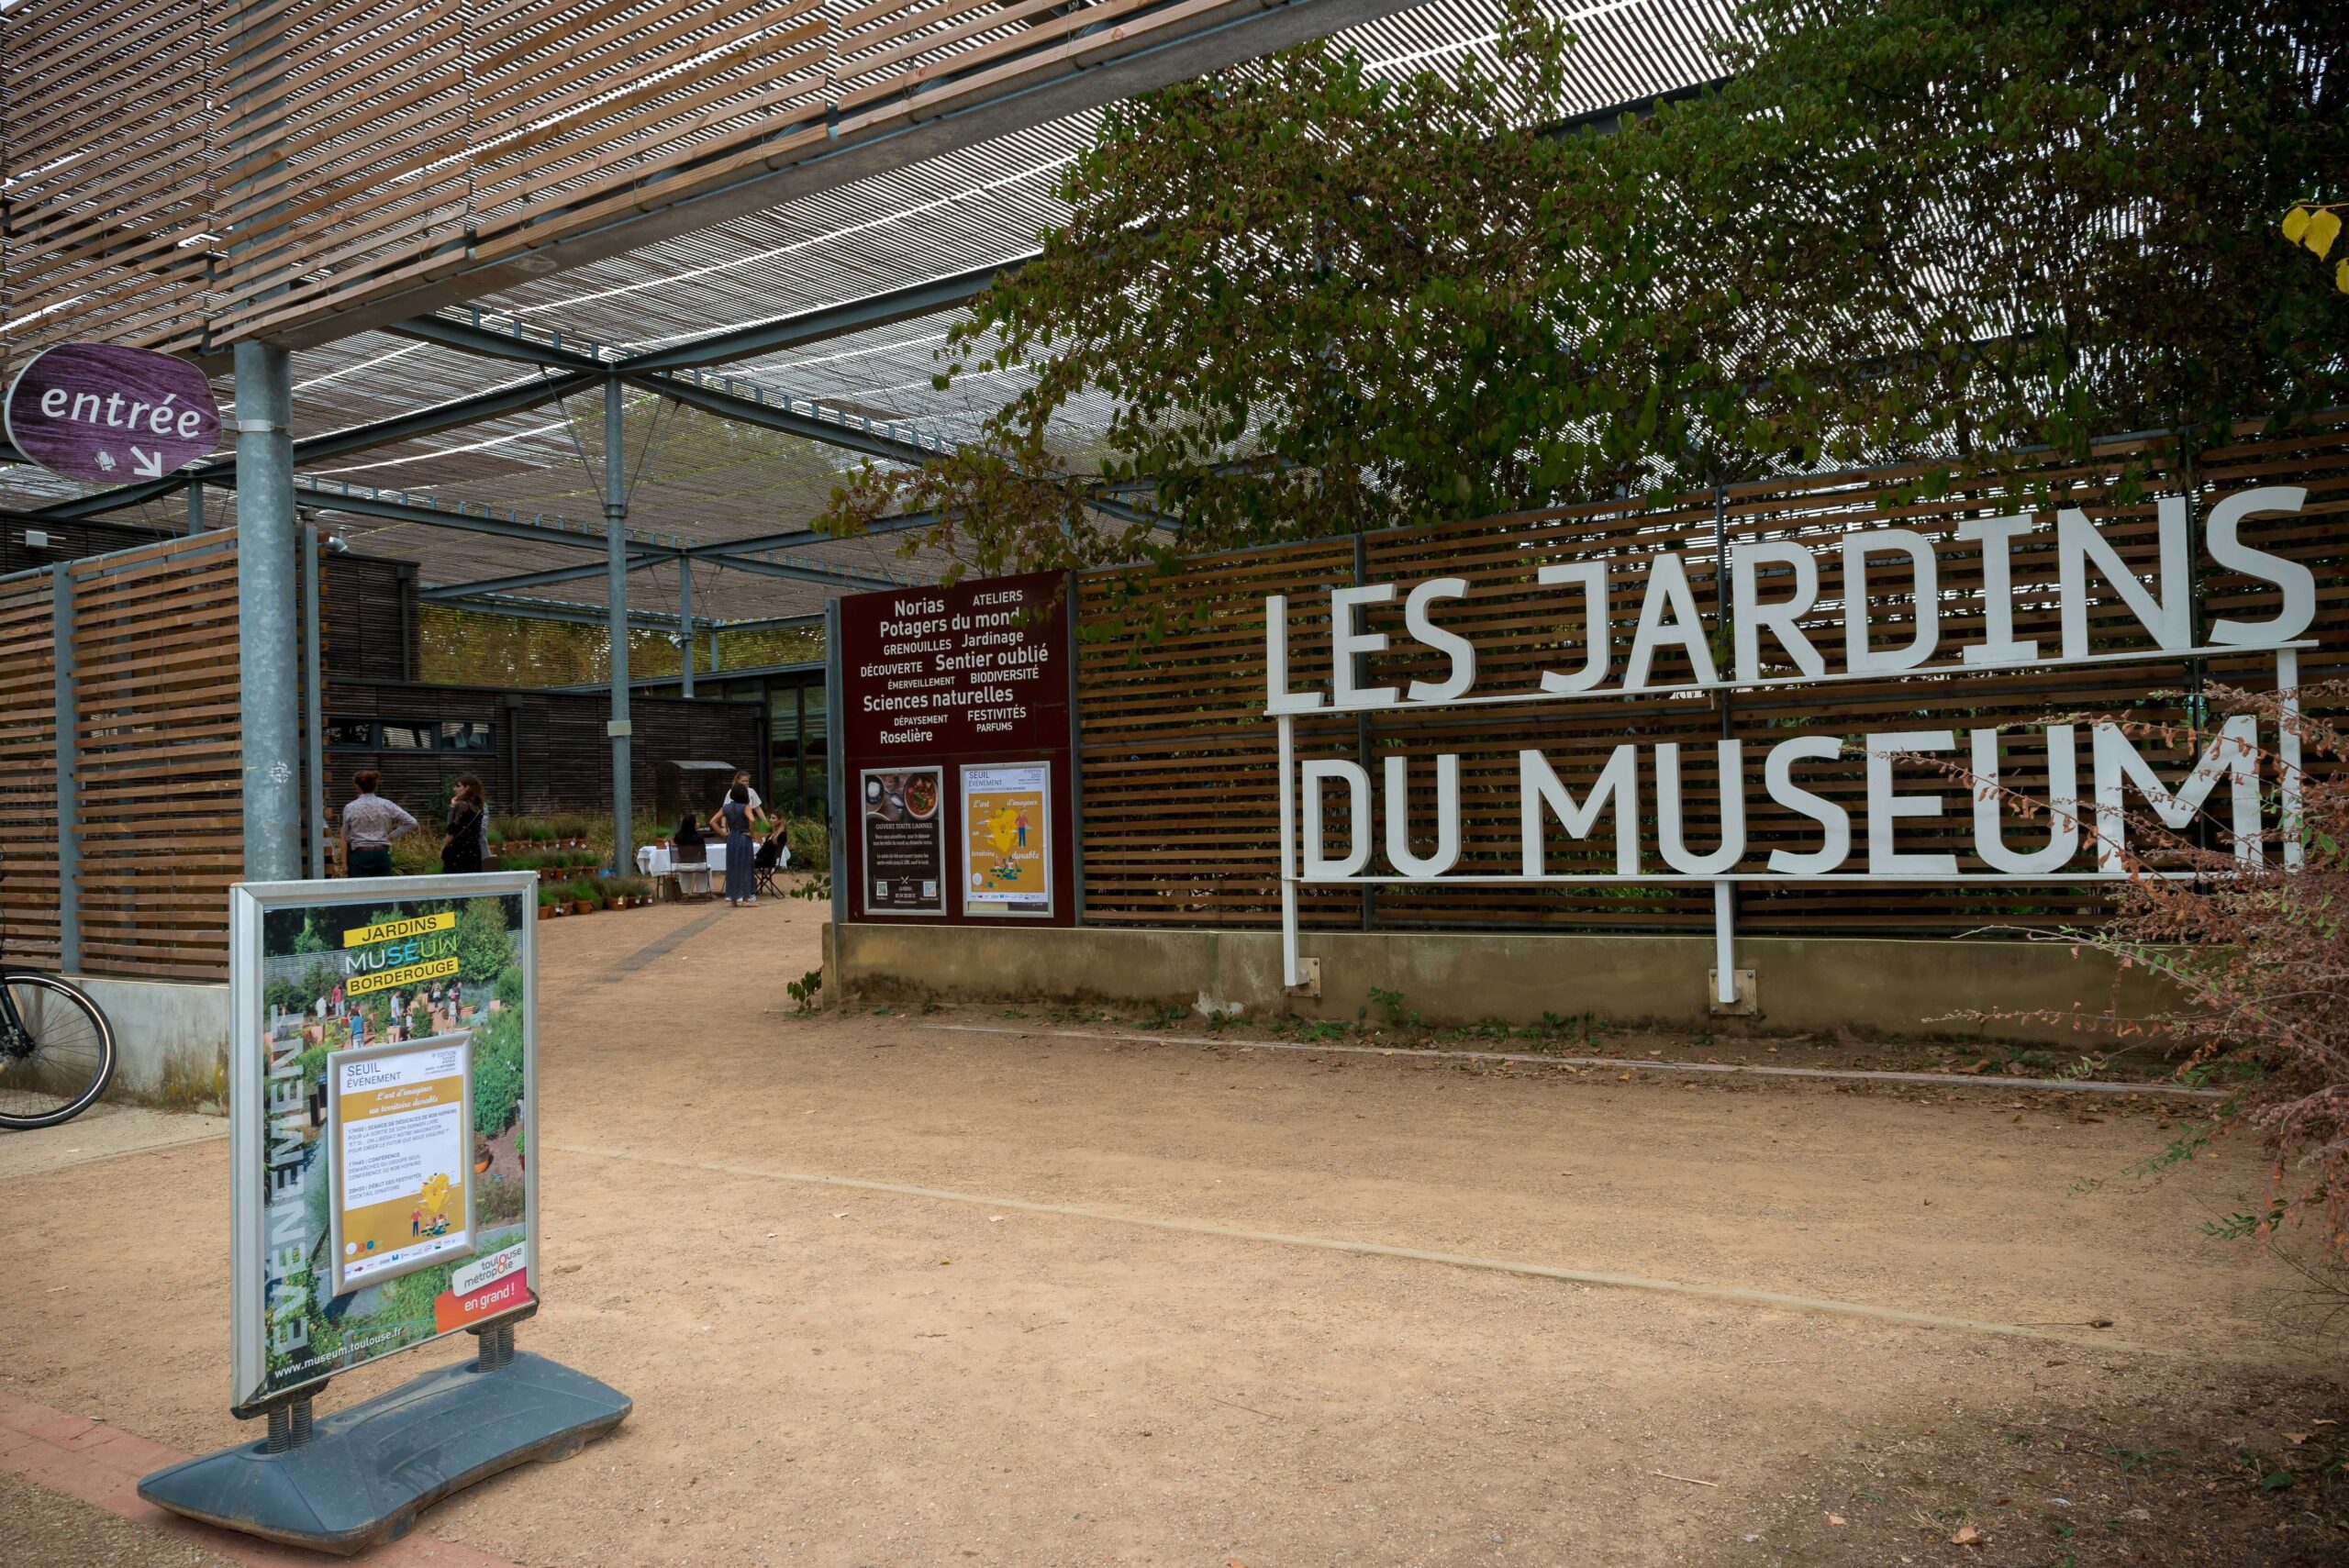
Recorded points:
(71, 406)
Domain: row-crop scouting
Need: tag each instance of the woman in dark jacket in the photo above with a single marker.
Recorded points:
(691, 847)
(460, 850)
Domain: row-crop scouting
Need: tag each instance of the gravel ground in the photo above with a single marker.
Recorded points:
(42, 1529)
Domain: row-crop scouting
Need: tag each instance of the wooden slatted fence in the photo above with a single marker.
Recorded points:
(155, 805)
(1179, 762)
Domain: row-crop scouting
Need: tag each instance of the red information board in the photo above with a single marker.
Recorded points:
(937, 682)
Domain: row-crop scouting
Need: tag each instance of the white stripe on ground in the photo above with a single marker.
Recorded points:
(1648, 1064)
(1733, 1295)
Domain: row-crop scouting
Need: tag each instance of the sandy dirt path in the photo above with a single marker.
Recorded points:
(870, 1375)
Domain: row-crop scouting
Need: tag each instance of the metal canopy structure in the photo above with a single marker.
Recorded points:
(754, 360)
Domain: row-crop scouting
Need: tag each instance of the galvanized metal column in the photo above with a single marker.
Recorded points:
(195, 506)
(1724, 890)
(836, 770)
(69, 812)
(616, 546)
(314, 766)
(713, 651)
(685, 616)
(268, 648)
(1075, 765)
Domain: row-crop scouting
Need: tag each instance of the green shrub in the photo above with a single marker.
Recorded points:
(497, 1072)
(499, 1200)
(811, 844)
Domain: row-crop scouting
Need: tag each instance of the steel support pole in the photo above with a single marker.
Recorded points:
(1725, 940)
(313, 745)
(196, 508)
(268, 644)
(616, 543)
(835, 776)
(69, 813)
(1076, 765)
(713, 651)
(1292, 967)
(686, 620)
(2287, 756)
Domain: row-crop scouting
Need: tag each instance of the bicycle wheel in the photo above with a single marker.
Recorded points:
(55, 1057)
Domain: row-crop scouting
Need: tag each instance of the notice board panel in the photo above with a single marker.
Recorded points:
(937, 682)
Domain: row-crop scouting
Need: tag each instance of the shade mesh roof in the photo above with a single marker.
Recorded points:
(710, 480)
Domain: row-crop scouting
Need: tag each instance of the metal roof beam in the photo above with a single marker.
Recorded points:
(429, 421)
(828, 321)
(768, 623)
(511, 343)
(851, 432)
(118, 498)
(830, 577)
(557, 610)
(536, 579)
(800, 539)
(327, 496)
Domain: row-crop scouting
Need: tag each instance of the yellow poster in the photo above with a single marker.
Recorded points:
(401, 1121)
(1006, 839)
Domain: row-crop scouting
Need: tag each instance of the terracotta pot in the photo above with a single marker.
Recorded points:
(581, 907)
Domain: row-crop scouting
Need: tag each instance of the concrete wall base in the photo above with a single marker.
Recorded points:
(170, 1041)
(1799, 985)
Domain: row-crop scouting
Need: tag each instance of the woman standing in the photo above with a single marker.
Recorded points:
(742, 878)
(370, 823)
(461, 849)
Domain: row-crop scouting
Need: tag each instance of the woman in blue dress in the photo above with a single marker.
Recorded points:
(742, 878)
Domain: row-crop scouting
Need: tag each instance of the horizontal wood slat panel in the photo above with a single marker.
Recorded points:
(187, 173)
(158, 760)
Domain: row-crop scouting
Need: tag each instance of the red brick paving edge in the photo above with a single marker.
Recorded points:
(101, 1464)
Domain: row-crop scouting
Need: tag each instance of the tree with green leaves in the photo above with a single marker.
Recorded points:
(1318, 298)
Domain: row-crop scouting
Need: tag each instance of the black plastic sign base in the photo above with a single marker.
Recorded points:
(368, 1471)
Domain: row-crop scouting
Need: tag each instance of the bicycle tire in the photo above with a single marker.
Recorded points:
(102, 1028)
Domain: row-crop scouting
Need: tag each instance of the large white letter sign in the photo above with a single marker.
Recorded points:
(1345, 642)
(1668, 595)
(2295, 583)
(2078, 544)
(1278, 698)
(1592, 575)
(1857, 655)
(1997, 536)
(1619, 781)
(1777, 773)
(1671, 833)
(1318, 866)
(1463, 651)
(1886, 810)
(1750, 616)
(2233, 751)
(2062, 806)
(1447, 817)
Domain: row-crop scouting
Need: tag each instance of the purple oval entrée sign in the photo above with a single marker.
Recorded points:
(109, 415)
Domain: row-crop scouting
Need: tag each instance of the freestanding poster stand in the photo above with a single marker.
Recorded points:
(382, 1120)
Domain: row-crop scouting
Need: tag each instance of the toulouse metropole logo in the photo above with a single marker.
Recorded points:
(109, 415)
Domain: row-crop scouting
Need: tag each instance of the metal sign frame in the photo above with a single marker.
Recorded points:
(248, 1124)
